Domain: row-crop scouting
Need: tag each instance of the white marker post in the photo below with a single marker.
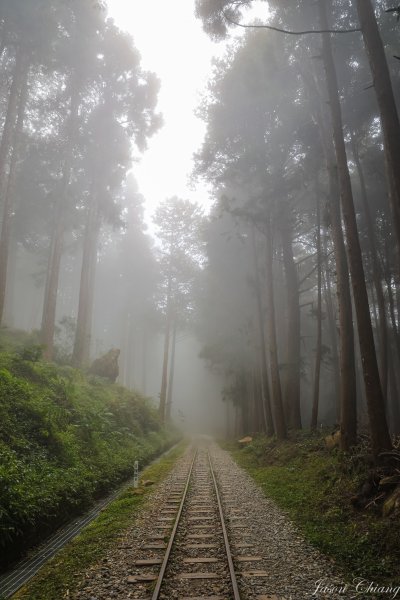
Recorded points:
(136, 474)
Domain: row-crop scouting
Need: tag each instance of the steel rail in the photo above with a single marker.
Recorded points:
(232, 573)
(164, 564)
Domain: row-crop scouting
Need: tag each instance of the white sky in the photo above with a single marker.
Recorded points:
(173, 45)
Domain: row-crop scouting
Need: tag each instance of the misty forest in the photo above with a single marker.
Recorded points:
(255, 318)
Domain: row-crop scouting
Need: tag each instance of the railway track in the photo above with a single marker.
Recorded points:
(197, 545)
(188, 555)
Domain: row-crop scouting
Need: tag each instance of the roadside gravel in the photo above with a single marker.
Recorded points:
(293, 567)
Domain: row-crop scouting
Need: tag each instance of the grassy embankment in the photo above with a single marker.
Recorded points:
(63, 574)
(314, 486)
(65, 439)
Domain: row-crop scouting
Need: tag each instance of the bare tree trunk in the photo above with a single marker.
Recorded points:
(81, 352)
(164, 377)
(228, 420)
(376, 272)
(171, 373)
(57, 240)
(124, 363)
(292, 388)
(330, 311)
(8, 201)
(390, 280)
(347, 368)
(237, 421)
(378, 426)
(386, 103)
(252, 400)
(260, 424)
(279, 417)
(266, 401)
(318, 353)
(144, 361)
(10, 300)
(20, 73)
(132, 359)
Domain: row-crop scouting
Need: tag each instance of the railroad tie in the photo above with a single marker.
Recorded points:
(209, 575)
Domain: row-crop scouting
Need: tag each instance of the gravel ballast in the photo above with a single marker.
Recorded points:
(271, 559)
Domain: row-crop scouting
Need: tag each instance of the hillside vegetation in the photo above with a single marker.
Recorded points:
(65, 439)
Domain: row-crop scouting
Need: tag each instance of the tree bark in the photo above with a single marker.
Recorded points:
(347, 369)
(265, 393)
(278, 413)
(318, 352)
(57, 240)
(171, 372)
(8, 201)
(330, 311)
(376, 272)
(164, 377)
(377, 420)
(292, 388)
(20, 73)
(81, 352)
(144, 361)
(387, 106)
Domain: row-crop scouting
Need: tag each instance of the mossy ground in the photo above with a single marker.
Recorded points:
(313, 485)
(62, 575)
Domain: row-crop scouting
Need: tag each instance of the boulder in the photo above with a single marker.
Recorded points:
(107, 365)
(333, 440)
(246, 440)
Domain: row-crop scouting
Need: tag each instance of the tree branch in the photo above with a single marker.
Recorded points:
(287, 31)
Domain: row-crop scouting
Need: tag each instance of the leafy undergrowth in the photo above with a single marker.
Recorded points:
(314, 486)
(63, 574)
(65, 439)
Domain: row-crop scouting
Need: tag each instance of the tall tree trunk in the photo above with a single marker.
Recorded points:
(318, 352)
(251, 386)
(266, 400)
(245, 406)
(376, 272)
(393, 321)
(132, 358)
(387, 106)
(259, 417)
(278, 413)
(81, 352)
(8, 201)
(19, 75)
(12, 276)
(167, 335)
(347, 368)
(228, 419)
(171, 372)
(57, 239)
(144, 361)
(292, 388)
(380, 437)
(330, 311)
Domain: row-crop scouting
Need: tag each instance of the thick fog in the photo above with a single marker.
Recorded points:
(271, 306)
